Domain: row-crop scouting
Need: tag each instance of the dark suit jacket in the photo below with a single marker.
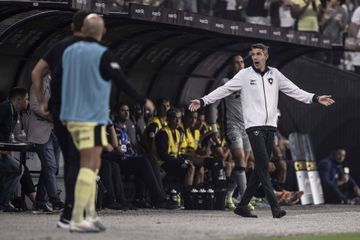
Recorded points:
(8, 118)
(330, 173)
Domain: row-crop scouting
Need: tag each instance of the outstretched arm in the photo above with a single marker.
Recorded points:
(290, 89)
(221, 92)
(111, 70)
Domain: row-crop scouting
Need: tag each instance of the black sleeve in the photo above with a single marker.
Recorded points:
(110, 70)
(5, 124)
(49, 55)
(151, 130)
(161, 142)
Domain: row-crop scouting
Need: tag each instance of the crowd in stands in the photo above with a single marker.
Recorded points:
(336, 19)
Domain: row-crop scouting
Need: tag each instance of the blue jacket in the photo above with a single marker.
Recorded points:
(330, 172)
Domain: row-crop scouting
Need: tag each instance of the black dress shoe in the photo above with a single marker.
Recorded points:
(9, 208)
(279, 214)
(58, 206)
(244, 212)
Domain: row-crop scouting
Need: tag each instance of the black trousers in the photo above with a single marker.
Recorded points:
(71, 160)
(143, 170)
(110, 175)
(27, 185)
(262, 142)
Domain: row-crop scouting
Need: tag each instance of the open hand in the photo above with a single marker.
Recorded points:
(326, 100)
(194, 105)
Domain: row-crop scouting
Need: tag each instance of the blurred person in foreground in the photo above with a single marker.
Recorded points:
(48, 63)
(87, 71)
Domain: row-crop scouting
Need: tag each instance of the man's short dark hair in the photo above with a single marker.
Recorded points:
(78, 20)
(17, 92)
(188, 113)
(261, 46)
(235, 56)
(339, 148)
(118, 105)
(162, 100)
(171, 113)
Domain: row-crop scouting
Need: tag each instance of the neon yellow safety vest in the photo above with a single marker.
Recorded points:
(173, 146)
(190, 141)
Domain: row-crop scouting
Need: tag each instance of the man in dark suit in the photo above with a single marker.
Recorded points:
(9, 167)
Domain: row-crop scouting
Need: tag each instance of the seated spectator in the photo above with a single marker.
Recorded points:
(191, 135)
(9, 166)
(149, 111)
(201, 124)
(213, 145)
(157, 122)
(338, 185)
(216, 159)
(168, 141)
(111, 177)
(142, 166)
(137, 125)
(211, 158)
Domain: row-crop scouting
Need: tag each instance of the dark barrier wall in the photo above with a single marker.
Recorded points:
(338, 125)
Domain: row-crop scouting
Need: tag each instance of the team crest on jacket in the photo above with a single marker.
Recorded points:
(271, 80)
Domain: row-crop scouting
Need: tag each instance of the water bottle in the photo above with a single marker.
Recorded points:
(193, 199)
(209, 199)
(173, 195)
(222, 176)
(12, 138)
(178, 199)
(201, 198)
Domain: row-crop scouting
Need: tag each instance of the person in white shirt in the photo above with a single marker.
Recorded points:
(260, 86)
(355, 33)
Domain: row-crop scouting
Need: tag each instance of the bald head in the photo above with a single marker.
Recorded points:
(94, 26)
